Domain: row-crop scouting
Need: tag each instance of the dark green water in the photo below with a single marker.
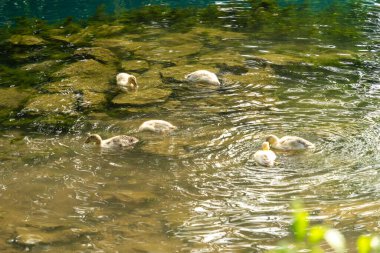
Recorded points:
(287, 70)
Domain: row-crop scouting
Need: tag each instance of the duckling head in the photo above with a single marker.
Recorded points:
(265, 146)
(132, 81)
(271, 139)
(94, 138)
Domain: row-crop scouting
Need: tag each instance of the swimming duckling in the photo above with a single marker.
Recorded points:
(118, 141)
(265, 157)
(157, 126)
(289, 143)
(125, 81)
(203, 77)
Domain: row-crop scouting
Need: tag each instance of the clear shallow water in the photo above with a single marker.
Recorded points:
(199, 189)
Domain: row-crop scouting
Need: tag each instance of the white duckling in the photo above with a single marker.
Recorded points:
(203, 77)
(288, 143)
(118, 141)
(157, 126)
(265, 157)
(125, 81)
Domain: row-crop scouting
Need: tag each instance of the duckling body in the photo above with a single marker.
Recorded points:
(265, 157)
(126, 81)
(157, 126)
(118, 141)
(203, 77)
(288, 143)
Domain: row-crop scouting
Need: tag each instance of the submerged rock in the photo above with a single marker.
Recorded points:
(174, 54)
(178, 72)
(124, 44)
(222, 57)
(31, 236)
(40, 66)
(86, 75)
(135, 65)
(26, 40)
(13, 98)
(92, 100)
(253, 76)
(88, 68)
(100, 54)
(142, 97)
(129, 197)
(51, 103)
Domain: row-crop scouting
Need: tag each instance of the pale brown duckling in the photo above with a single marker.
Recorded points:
(288, 143)
(118, 141)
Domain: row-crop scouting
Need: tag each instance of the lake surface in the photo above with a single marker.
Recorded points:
(197, 189)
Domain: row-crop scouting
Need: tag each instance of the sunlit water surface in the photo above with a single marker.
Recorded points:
(199, 188)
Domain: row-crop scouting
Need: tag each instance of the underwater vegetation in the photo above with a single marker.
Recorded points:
(56, 73)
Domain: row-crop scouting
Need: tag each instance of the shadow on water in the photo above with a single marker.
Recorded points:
(197, 189)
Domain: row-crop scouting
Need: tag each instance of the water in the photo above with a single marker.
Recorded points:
(197, 189)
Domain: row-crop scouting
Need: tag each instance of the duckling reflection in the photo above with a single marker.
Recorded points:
(119, 141)
(288, 143)
(265, 157)
(157, 126)
(203, 77)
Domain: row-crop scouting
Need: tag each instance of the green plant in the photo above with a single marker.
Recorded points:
(318, 238)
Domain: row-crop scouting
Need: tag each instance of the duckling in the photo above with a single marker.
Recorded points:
(289, 143)
(118, 141)
(203, 77)
(125, 81)
(157, 126)
(265, 157)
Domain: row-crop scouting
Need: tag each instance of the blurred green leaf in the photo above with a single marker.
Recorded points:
(300, 221)
(364, 244)
(316, 234)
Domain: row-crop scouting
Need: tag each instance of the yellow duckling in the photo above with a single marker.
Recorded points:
(265, 157)
(203, 77)
(288, 143)
(157, 126)
(118, 141)
(125, 81)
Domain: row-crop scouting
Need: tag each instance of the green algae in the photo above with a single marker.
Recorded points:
(51, 103)
(142, 97)
(100, 54)
(26, 40)
(81, 59)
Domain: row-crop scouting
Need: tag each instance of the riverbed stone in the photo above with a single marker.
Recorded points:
(227, 57)
(178, 72)
(93, 100)
(51, 103)
(40, 66)
(98, 53)
(31, 236)
(87, 68)
(26, 40)
(253, 76)
(142, 97)
(175, 54)
(149, 79)
(123, 44)
(129, 197)
(86, 75)
(11, 99)
(217, 34)
(134, 65)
